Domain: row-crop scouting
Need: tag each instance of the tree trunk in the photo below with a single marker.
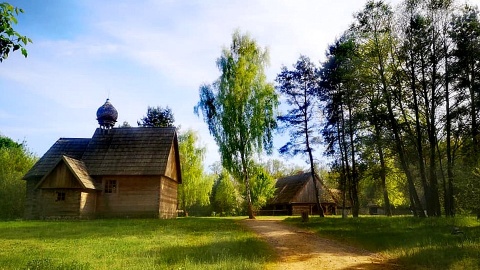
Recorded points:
(312, 171)
(448, 202)
(354, 189)
(383, 176)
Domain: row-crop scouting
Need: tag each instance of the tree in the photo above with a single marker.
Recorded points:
(225, 198)
(263, 186)
(157, 117)
(10, 40)
(278, 169)
(196, 185)
(299, 87)
(15, 161)
(344, 103)
(239, 108)
(125, 124)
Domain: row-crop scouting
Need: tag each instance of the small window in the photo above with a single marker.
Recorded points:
(111, 186)
(60, 196)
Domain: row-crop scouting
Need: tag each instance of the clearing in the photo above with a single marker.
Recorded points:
(300, 249)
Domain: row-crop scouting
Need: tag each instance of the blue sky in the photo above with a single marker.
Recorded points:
(144, 53)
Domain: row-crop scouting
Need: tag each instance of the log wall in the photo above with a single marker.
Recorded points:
(168, 198)
(53, 208)
(135, 196)
(88, 203)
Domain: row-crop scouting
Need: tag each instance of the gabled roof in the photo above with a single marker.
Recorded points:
(129, 151)
(79, 171)
(117, 151)
(287, 189)
(70, 147)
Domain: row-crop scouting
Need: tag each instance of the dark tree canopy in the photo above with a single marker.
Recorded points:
(157, 117)
(300, 86)
(10, 40)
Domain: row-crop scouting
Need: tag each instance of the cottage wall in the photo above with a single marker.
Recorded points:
(51, 207)
(168, 198)
(171, 166)
(60, 177)
(32, 199)
(135, 196)
(88, 203)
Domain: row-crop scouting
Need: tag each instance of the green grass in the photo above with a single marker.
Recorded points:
(184, 243)
(414, 243)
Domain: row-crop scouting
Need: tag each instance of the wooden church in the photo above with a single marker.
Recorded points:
(119, 172)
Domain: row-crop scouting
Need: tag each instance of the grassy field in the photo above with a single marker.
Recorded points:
(184, 243)
(411, 242)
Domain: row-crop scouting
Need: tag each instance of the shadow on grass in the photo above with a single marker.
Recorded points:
(429, 243)
(226, 252)
(111, 228)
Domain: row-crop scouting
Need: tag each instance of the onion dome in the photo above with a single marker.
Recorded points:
(107, 115)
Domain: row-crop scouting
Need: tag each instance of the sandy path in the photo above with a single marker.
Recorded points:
(299, 249)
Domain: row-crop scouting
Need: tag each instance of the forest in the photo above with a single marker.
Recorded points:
(400, 94)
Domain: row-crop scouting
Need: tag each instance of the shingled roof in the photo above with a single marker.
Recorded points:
(70, 147)
(117, 151)
(287, 189)
(79, 171)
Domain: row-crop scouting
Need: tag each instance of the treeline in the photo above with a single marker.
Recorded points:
(15, 161)
(217, 192)
(400, 91)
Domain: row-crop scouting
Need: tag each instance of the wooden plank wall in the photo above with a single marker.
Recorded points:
(168, 198)
(51, 208)
(88, 203)
(171, 166)
(60, 177)
(32, 199)
(299, 209)
(136, 196)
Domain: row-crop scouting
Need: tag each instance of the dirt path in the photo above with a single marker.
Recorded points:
(299, 249)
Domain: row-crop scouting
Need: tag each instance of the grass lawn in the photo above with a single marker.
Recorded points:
(411, 242)
(184, 243)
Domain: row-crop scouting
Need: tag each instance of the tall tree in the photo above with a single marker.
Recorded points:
(196, 185)
(464, 67)
(157, 117)
(343, 104)
(10, 40)
(374, 28)
(299, 88)
(239, 108)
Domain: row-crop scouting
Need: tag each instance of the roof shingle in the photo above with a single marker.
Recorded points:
(117, 151)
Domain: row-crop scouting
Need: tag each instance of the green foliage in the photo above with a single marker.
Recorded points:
(10, 40)
(15, 161)
(196, 185)
(225, 198)
(412, 243)
(183, 243)
(263, 186)
(125, 124)
(157, 117)
(239, 108)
